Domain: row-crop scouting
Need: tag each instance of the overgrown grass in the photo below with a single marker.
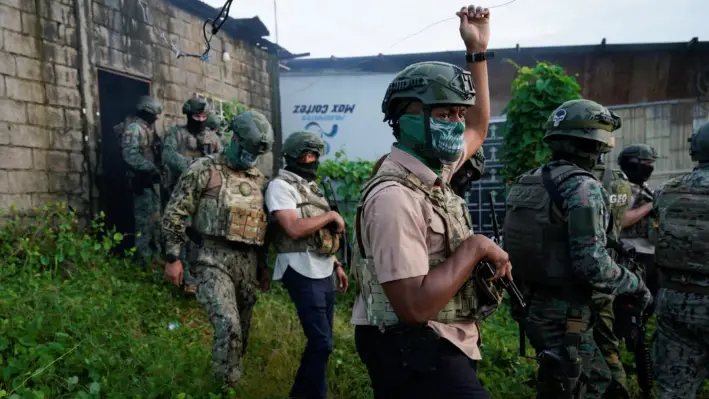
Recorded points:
(92, 325)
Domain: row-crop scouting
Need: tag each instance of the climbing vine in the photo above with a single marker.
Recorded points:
(536, 92)
(230, 110)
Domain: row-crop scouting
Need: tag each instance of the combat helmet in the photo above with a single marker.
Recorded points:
(253, 132)
(431, 83)
(150, 105)
(303, 141)
(635, 153)
(213, 121)
(584, 119)
(699, 144)
(195, 105)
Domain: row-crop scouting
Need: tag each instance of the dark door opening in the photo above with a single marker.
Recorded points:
(118, 95)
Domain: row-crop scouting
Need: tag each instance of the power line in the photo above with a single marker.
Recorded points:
(393, 45)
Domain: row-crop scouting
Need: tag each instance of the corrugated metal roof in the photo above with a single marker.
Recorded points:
(250, 30)
(397, 62)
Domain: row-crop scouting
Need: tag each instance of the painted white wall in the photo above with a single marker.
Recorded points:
(345, 109)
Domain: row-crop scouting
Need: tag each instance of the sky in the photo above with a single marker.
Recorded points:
(342, 28)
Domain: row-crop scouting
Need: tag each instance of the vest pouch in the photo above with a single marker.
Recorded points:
(246, 225)
(327, 242)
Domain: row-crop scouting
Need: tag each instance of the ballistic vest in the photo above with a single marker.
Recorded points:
(312, 203)
(452, 209)
(536, 230)
(232, 206)
(683, 233)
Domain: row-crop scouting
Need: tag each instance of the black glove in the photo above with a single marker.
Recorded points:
(155, 177)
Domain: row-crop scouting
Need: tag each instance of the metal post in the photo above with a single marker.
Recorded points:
(274, 66)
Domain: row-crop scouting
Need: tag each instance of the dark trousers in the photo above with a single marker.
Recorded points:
(454, 376)
(315, 302)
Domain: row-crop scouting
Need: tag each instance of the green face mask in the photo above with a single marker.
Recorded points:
(448, 139)
(238, 157)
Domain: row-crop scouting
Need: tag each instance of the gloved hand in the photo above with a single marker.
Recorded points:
(643, 296)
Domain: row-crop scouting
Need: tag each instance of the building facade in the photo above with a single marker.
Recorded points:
(72, 69)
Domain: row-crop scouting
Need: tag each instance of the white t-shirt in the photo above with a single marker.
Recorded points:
(282, 196)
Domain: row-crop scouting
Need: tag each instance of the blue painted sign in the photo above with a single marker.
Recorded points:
(321, 118)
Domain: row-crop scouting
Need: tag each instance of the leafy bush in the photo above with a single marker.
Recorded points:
(536, 92)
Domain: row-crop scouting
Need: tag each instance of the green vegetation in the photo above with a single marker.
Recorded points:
(536, 93)
(79, 322)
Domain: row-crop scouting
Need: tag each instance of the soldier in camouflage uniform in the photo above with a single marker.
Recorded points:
(139, 142)
(681, 348)
(637, 162)
(184, 144)
(223, 197)
(618, 188)
(555, 232)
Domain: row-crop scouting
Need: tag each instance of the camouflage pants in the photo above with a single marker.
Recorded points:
(607, 342)
(681, 347)
(226, 287)
(146, 211)
(546, 329)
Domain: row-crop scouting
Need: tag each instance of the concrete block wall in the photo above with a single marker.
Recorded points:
(42, 155)
(41, 145)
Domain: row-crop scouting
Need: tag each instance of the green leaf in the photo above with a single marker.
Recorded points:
(71, 381)
(117, 237)
(94, 388)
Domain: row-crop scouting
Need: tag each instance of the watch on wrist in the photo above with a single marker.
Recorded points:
(170, 258)
(479, 57)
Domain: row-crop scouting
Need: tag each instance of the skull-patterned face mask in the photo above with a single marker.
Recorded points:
(447, 137)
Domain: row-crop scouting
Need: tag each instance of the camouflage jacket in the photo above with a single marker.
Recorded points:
(206, 196)
(181, 148)
(137, 140)
(587, 212)
(619, 194)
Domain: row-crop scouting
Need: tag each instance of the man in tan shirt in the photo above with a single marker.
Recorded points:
(416, 313)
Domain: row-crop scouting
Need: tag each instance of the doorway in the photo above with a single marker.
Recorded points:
(117, 96)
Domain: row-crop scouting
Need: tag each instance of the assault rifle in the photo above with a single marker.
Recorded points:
(331, 196)
(486, 269)
(630, 322)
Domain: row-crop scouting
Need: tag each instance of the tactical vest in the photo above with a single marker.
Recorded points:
(196, 146)
(464, 306)
(683, 233)
(536, 231)
(232, 206)
(644, 226)
(312, 203)
(619, 193)
(146, 138)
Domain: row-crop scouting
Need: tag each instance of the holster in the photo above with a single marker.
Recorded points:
(419, 347)
(560, 374)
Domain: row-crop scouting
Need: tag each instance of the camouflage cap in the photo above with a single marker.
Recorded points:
(214, 122)
(699, 144)
(584, 119)
(149, 104)
(253, 131)
(303, 141)
(195, 105)
(431, 83)
(635, 153)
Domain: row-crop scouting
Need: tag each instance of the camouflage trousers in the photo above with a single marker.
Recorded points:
(146, 212)
(546, 329)
(681, 347)
(608, 343)
(226, 287)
